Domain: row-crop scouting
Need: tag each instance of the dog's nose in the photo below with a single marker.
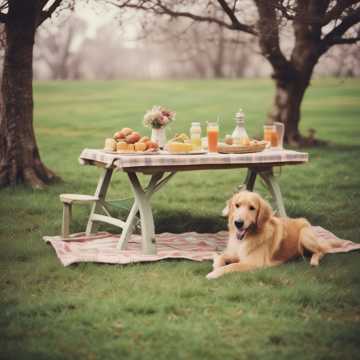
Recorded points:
(239, 223)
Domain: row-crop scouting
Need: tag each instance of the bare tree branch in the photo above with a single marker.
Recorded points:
(42, 3)
(234, 5)
(346, 41)
(336, 11)
(159, 8)
(335, 35)
(236, 24)
(45, 14)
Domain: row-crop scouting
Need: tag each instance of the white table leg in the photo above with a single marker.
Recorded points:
(273, 186)
(146, 217)
(142, 204)
(129, 227)
(100, 193)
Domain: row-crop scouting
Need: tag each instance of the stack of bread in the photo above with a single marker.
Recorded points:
(128, 140)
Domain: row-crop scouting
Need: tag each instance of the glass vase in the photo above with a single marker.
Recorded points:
(159, 136)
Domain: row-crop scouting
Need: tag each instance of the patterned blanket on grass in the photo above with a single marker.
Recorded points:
(101, 247)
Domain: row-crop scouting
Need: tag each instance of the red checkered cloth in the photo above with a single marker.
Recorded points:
(101, 247)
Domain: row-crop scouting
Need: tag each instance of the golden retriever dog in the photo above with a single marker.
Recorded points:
(258, 239)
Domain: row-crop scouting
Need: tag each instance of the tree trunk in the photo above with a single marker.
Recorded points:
(19, 155)
(286, 108)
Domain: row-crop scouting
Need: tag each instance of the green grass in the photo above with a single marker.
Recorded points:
(168, 309)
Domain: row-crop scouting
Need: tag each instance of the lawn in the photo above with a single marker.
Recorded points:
(168, 309)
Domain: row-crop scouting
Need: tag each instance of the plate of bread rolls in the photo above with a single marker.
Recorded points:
(130, 142)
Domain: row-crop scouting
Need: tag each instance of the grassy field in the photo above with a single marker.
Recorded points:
(168, 309)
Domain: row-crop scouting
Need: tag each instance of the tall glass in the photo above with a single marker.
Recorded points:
(271, 135)
(280, 130)
(213, 136)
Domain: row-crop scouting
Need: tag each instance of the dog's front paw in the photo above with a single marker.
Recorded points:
(214, 274)
(218, 261)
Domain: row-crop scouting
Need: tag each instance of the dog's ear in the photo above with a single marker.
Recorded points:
(226, 209)
(240, 188)
(264, 213)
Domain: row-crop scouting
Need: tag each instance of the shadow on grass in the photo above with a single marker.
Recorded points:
(314, 218)
(182, 221)
(332, 148)
(174, 222)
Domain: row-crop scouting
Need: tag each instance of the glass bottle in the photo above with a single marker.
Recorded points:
(195, 135)
(239, 135)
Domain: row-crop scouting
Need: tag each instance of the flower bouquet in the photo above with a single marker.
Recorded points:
(156, 119)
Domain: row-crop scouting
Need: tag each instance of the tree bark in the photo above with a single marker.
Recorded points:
(19, 155)
(286, 108)
(291, 83)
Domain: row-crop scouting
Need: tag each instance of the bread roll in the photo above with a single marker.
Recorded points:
(110, 144)
(121, 146)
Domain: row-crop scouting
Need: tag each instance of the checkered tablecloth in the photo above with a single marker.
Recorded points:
(122, 161)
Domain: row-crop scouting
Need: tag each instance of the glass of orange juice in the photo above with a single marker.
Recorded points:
(213, 136)
(270, 135)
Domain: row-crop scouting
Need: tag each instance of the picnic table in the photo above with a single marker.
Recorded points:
(161, 168)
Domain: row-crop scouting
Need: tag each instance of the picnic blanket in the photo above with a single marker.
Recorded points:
(101, 247)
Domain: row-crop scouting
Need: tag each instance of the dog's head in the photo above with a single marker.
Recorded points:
(247, 211)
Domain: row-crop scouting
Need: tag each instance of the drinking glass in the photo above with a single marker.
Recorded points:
(213, 136)
(280, 130)
(271, 135)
